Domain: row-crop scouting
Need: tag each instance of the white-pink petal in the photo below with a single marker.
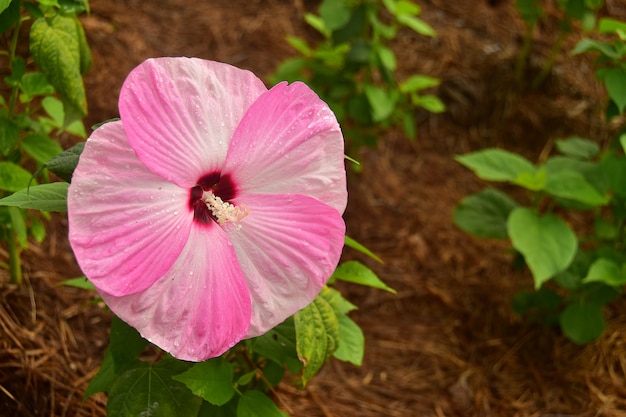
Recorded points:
(127, 225)
(288, 247)
(180, 114)
(289, 141)
(200, 308)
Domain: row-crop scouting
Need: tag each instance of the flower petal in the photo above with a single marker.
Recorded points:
(289, 141)
(288, 247)
(180, 114)
(200, 308)
(127, 225)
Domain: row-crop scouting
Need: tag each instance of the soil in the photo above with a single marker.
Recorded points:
(448, 343)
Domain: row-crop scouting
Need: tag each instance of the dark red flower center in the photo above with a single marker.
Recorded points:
(220, 186)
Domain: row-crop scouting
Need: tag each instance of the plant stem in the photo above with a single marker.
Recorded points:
(520, 67)
(15, 263)
(547, 66)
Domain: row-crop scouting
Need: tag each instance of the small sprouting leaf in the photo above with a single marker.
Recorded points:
(547, 242)
(9, 135)
(44, 197)
(63, 165)
(606, 271)
(256, 404)
(357, 273)
(351, 243)
(572, 185)
(351, 341)
(317, 333)
(576, 147)
(13, 178)
(430, 102)
(211, 380)
(41, 147)
(496, 164)
(582, 323)
(485, 214)
(80, 282)
(150, 390)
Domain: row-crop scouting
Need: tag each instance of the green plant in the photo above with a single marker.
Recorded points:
(353, 68)
(45, 97)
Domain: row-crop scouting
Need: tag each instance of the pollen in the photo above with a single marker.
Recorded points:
(224, 212)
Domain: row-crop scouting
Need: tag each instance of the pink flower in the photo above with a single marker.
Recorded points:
(212, 211)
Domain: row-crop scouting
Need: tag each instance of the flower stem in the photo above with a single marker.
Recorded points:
(15, 263)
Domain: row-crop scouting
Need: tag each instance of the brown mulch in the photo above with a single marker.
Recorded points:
(448, 343)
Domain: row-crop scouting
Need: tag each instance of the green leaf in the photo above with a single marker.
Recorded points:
(572, 185)
(56, 47)
(496, 164)
(606, 271)
(607, 25)
(387, 57)
(105, 377)
(80, 282)
(37, 229)
(10, 14)
(212, 380)
(418, 25)
(18, 224)
(589, 45)
(35, 84)
(335, 14)
(149, 390)
(547, 242)
(430, 102)
(582, 323)
(44, 197)
(534, 181)
(299, 45)
(9, 135)
(530, 10)
(351, 341)
(380, 101)
(485, 214)
(126, 344)
(317, 334)
(256, 404)
(63, 165)
(13, 178)
(54, 109)
(278, 345)
(41, 147)
(357, 273)
(578, 148)
(615, 82)
(351, 243)
(418, 82)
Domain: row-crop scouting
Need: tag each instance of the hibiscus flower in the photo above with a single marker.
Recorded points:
(212, 210)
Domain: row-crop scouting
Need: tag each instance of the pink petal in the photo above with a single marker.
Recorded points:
(289, 141)
(180, 114)
(200, 308)
(288, 247)
(127, 225)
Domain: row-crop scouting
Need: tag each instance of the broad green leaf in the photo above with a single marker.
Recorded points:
(256, 404)
(278, 345)
(381, 102)
(357, 273)
(418, 82)
(496, 164)
(126, 344)
(41, 147)
(572, 185)
(13, 178)
(351, 341)
(9, 135)
(63, 165)
(149, 390)
(335, 14)
(606, 271)
(589, 45)
(351, 243)
(607, 25)
(105, 377)
(534, 181)
(246, 378)
(44, 197)
(578, 148)
(546, 242)
(430, 102)
(4, 4)
(615, 82)
(317, 334)
(10, 15)
(80, 282)
(54, 109)
(83, 46)
(35, 84)
(56, 47)
(582, 323)
(211, 380)
(485, 214)
(416, 24)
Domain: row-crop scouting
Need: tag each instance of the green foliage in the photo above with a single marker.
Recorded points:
(353, 69)
(44, 97)
(587, 266)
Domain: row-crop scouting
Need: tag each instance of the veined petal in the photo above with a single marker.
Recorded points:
(288, 247)
(180, 114)
(200, 307)
(127, 225)
(289, 141)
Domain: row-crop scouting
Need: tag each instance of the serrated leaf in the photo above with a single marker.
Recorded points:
(211, 380)
(63, 165)
(44, 197)
(357, 273)
(576, 147)
(572, 185)
(256, 404)
(13, 178)
(496, 164)
(41, 147)
(485, 214)
(149, 390)
(351, 341)
(56, 48)
(582, 323)
(546, 242)
(605, 271)
(317, 334)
